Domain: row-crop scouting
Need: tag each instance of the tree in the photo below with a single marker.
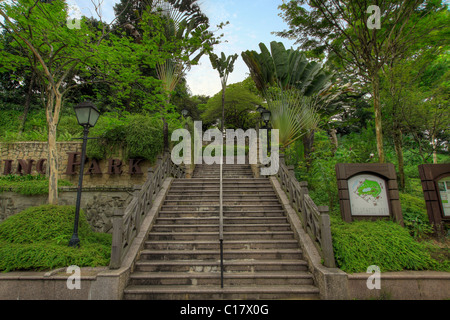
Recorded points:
(293, 87)
(184, 39)
(63, 58)
(341, 30)
(224, 65)
(416, 104)
(238, 108)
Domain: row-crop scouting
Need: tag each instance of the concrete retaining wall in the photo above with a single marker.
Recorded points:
(99, 284)
(48, 285)
(97, 203)
(404, 285)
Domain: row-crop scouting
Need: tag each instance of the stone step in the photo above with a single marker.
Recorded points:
(214, 236)
(226, 196)
(215, 220)
(214, 265)
(226, 182)
(227, 244)
(229, 278)
(216, 190)
(227, 207)
(225, 202)
(216, 179)
(261, 254)
(215, 213)
(250, 183)
(252, 207)
(175, 228)
(214, 293)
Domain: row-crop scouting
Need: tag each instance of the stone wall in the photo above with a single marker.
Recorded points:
(30, 157)
(97, 203)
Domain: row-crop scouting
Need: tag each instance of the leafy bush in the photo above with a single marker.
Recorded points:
(144, 138)
(415, 215)
(140, 137)
(360, 244)
(38, 237)
(28, 184)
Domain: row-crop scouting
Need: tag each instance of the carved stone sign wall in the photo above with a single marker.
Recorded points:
(436, 189)
(368, 191)
(31, 158)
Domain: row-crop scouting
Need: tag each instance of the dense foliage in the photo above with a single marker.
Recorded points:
(37, 238)
(383, 243)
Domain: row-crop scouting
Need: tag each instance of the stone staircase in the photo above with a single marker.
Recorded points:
(181, 258)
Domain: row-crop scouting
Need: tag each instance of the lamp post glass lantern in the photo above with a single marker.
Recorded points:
(260, 109)
(87, 116)
(266, 116)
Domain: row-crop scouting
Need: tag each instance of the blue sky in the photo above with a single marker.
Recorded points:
(251, 22)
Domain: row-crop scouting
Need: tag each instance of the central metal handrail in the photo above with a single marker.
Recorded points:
(221, 221)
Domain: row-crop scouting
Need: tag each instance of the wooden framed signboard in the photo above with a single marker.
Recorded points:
(368, 191)
(436, 189)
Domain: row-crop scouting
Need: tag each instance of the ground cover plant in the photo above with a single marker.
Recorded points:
(37, 239)
(28, 185)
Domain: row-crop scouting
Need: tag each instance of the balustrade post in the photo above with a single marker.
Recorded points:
(289, 183)
(150, 174)
(117, 241)
(303, 191)
(327, 243)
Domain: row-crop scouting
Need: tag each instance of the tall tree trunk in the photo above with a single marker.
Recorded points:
(166, 128)
(308, 143)
(378, 123)
(334, 139)
(433, 143)
(165, 134)
(398, 145)
(53, 104)
(223, 109)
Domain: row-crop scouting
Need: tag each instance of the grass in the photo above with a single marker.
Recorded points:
(37, 239)
(360, 244)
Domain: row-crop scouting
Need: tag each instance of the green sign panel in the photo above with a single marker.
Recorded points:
(368, 196)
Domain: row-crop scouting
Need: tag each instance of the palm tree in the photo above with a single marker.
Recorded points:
(182, 22)
(224, 65)
(293, 87)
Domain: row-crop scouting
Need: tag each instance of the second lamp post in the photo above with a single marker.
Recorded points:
(87, 116)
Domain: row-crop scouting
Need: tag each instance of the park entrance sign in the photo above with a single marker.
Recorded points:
(368, 191)
(436, 189)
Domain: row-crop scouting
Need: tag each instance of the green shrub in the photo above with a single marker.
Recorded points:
(144, 138)
(43, 223)
(140, 136)
(360, 244)
(38, 237)
(415, 215)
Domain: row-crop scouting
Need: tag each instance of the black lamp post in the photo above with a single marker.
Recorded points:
(266, 117)
(185, 112)
(87, 116)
